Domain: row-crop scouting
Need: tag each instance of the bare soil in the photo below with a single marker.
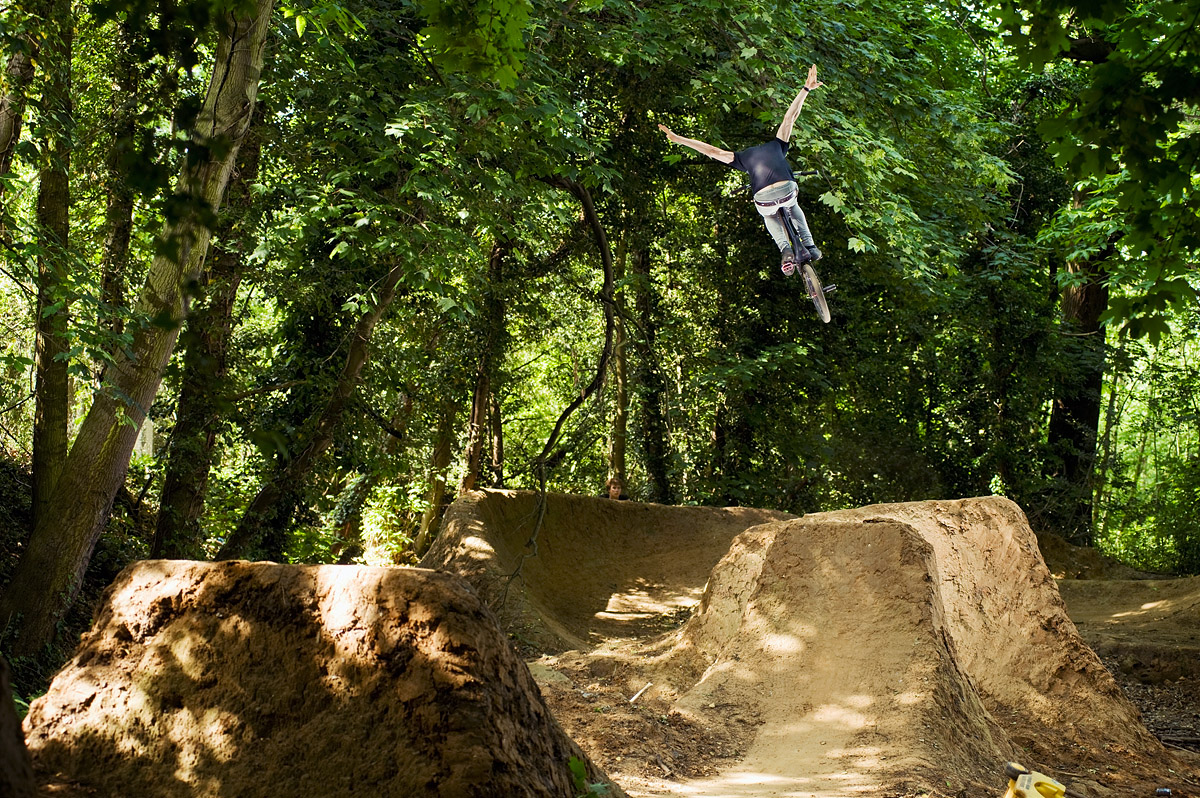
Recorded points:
(896, 650)
(260, 679)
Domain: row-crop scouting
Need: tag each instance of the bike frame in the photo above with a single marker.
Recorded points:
(812, 283)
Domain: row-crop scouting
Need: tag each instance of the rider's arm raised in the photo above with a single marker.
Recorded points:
(724, 156)
(784, 133)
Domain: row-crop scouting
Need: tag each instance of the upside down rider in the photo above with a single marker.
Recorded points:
(771, 179)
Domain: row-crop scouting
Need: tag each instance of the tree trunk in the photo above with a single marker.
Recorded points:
(1075, 414)
(497, 441)
(489, 361)
(649, 381)
(51, 568)
(52, 413)
(443, 447)
(12, 106)
(620, 371)
(185, 484)
(118, 214)
(476, 427)
(263, 509)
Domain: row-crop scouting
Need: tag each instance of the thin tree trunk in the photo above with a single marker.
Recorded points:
(606, 300)
(1112, 421)
(489, 360)
(620, 370)
(649, 382)
(12, 106)
(497, 426)
(443, 446)
(263, 508)
(1075, 414)
(52, 413)
(51, 567)
(205, 364)
(118, 214)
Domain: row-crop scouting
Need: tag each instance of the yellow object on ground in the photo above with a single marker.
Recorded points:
(1031, 784)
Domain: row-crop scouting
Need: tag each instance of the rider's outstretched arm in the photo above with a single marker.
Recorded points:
(724, 156)
(784, 133)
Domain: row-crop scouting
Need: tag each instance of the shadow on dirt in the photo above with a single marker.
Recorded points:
(239, 679)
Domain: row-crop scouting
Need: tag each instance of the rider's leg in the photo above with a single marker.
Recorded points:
(779, 233)
(801, 225)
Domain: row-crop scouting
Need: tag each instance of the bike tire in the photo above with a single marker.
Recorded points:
(816, 291)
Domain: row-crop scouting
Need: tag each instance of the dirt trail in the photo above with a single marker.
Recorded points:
(890, 650)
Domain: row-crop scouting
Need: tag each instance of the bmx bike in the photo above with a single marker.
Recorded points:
(812, 283)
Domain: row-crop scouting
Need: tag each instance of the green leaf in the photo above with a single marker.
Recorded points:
(578, 774)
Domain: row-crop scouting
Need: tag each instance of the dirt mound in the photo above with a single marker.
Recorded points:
(257, 679)
(603, 569)
(901, 644)
(1148, 634)
(892, 650)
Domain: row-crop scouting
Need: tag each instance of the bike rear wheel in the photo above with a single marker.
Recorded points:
(816, 291)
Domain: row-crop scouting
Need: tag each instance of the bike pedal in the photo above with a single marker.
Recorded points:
(829, 289)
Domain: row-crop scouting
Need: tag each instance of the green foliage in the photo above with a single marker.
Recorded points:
(1130, 135)
(484, 36)
(22, 706)
(421, 134)
(1150, 480)
(583, 788)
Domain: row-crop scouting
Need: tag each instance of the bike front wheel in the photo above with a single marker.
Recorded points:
(816, 292)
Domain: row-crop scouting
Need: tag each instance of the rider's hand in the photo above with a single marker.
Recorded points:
(812, 82)
(666, 130)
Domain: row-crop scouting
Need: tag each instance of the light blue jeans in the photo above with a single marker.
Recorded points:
(773, 222)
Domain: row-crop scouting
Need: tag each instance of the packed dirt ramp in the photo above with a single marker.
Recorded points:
(906, 649)
(258, 679)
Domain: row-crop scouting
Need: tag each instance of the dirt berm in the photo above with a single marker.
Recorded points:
(890, 650)
(258, 679)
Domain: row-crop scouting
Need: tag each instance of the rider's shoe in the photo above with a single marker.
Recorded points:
(787, 261)
(814, 254)
(803, 256)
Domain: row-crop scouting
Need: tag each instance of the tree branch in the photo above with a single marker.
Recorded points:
(606, 296)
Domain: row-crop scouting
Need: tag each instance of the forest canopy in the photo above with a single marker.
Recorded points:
(279, 280)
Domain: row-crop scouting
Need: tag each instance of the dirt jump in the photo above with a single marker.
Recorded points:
(893, 650)
(258, 679)
(890, 650)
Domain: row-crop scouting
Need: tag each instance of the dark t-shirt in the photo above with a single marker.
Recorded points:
(766, 163)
